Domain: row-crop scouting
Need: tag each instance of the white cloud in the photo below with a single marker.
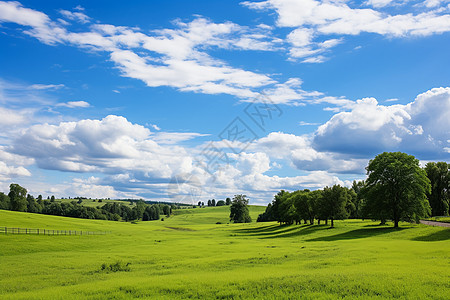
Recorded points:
(178, 57)
(11, 117)
(303, 123)
(12, 166)
(299, 152)
(171, 138)
(420, 127)
(75, 16)
(154, 126)
(74, 104)
(109, 145)
(391, 100)
(9, 171)
(435, 3)
(379, 3)
(46, 86)
(313, 19)
(174, 57)
(140, 163)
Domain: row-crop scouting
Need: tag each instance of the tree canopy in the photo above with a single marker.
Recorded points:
(396, 188)
(239, 211)
(439, 175)
(17, 196)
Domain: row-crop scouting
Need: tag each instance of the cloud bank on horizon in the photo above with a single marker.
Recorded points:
(44, 131)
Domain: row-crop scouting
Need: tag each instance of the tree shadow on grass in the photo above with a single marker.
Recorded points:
(357, 234)
(297, 231)
(278, 231)
(441, 235)
(262, 229)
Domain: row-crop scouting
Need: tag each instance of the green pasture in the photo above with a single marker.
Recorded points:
(190, 256)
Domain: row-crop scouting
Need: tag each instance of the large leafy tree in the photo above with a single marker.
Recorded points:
(439, 175)
(396, 188)
(17, 196)
(239, 211)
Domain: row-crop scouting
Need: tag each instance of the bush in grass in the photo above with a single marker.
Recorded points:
(118, 266)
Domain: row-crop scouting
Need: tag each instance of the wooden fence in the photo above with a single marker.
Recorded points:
(16, 230)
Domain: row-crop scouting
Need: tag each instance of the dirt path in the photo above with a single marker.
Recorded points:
(433, 223)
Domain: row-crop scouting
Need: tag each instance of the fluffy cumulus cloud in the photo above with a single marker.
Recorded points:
(136, 162)
(12, 166)
(314, 21)
(299, 153)
(106, 145)
(420, 127)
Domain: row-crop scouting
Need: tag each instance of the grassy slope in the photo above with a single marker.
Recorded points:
(188, 255)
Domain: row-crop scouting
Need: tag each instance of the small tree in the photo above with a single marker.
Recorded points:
(220, 203)
(213, 202)
(239, 211)
(396, 188)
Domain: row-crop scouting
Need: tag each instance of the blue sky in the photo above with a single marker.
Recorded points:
(188, 101)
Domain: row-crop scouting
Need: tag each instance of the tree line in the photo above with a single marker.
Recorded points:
(396, 189)
(19, 200)
(212, 202)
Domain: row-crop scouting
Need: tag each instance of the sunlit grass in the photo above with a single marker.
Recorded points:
(188, 255)
(440, 219)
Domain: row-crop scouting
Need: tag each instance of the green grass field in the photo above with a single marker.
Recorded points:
(190, 256)
(440, 219)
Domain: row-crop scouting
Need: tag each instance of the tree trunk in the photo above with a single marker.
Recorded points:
(311, 221)
(396, 223)
(326, 221)
(318, 222)
(332, 222)
(396, 217)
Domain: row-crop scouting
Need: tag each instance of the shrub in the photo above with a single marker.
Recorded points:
(115, 267)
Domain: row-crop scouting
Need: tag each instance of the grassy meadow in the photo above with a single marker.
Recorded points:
(190, 256)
